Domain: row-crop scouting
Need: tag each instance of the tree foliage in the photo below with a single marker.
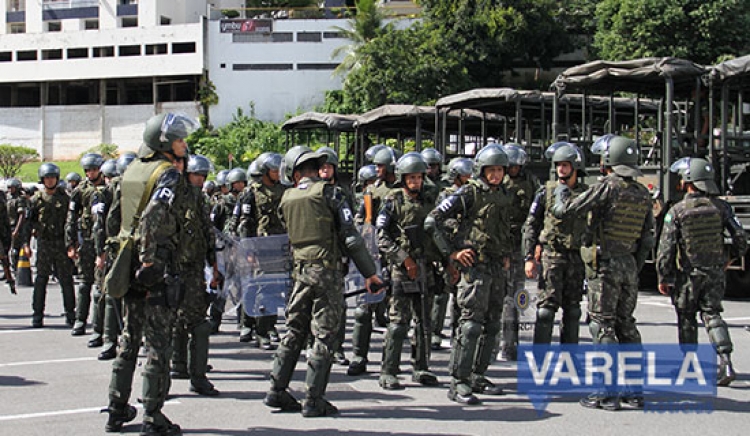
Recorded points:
(13, 156)
(245, 137)
(699, 30)
(366, 25)
(108, 151)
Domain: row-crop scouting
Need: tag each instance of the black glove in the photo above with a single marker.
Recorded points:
(150, 276)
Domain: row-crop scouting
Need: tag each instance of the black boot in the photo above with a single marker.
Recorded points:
(118, 415)
(726, 373)
(158, 424)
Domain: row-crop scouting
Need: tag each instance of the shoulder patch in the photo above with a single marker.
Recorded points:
(302, 186)
(668, 218)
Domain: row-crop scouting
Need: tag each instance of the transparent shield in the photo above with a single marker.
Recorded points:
(354, 280)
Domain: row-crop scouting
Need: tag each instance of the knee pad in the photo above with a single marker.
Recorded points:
(572, 313)
(202, 329)
(713, 320)
(398, 331)
(363, 314)
(471, 329)
(545, 314)
(492, 328)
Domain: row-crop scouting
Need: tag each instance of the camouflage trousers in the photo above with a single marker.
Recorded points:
(701, 290)
(516, 282)
(192, 329)
(315, 306)
(51, 255)
(86, 268)
(153, 323)
(613, 295)
(480, 296)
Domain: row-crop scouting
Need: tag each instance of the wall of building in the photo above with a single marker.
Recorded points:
(64, 132)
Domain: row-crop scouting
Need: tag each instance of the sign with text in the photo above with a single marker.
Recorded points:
(246, 26)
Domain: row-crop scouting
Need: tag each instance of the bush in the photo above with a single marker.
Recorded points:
(13, 156)
(108, 151)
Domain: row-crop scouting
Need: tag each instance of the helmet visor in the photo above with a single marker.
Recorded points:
(178, 126)
(680, 165)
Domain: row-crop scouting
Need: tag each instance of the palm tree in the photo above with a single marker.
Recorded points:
(366, 25)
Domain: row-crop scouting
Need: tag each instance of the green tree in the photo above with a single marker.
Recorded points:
(13, 156)
(108, 151)
(267, 7)
(365, 26)
(699, 30)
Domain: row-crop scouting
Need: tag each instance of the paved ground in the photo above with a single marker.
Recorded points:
(50, 383)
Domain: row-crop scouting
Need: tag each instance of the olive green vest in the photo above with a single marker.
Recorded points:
(310, 223)
(702, 232)
(267, 199)
(88, 191)
(623, 223)
(193, 242)
(52, 210)
(411, 215)
(566, 233)
(489, 231)
(132, 189)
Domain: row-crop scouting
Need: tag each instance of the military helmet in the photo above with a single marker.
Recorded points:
(236, 175)
(367, 173)
(516, 154)
(198, 164)
(460, 166)
(491, 155)
(331, 156)
(253, 170)
(295, 157)
(92, 161)
(388, 157)
(221, 177)
(73, 177)
(163, 129)
(269, 161)
(432, 156)
(124, 161)
(209, 186)
(697, 171)
(372, 151)
(109, 168)
(410, 163)
(619, 153)
(48, 169)
(14, 183)
(566, 152)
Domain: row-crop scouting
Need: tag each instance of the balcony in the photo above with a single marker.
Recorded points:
(69, 9)
(16, 11)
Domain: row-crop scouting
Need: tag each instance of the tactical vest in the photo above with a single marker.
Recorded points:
(489, 231)
(411, 215)
(133, 184)
(310, 223)
(559, 233)
(378, 190)
(16, 206)
(267, 199)
(193, 242)
(702, 231)
(52, 211)
(88, 191)
(623, 224)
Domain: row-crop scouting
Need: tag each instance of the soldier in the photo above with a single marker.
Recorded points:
(401, 239)
(220, 213)
(691, 260)
(153, 295)
(5, 243)
(197, 248)
(218, 219)
(385, 161)
(560, 240)
(78, 237)
(47, 210)
(256, 214)
(18, 206)
(209, 187)
(72, 180)
(366, 176)
(618, 240)
(315, 304)
(459, 173)
(481, 248)
(106, 230)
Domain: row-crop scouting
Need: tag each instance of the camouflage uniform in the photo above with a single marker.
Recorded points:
(562, 267)
(315, 304)
(197, 247)
(400, 226)
(522, 189)
(483, 227)
(147, 313)
(621, 225)
(78, 234)
(17, 206)
(47, 223)
(691, 257)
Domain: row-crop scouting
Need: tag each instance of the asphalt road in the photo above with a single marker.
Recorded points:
(52, 384)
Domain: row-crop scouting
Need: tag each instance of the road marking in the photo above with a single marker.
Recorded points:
(66, 412)
(43, 362)
(741, 318)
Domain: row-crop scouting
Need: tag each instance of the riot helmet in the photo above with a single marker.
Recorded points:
(619, 153)
(490, 155)
(92, 161)
(209, 187)
(221, 177)
(48, 169)
(109, 168)
(163, 129)
(124, 161)
(372, 151)
(367, 173)
(567, 152)
(331, 156)
(236, 175)
(410, 163)
(697, 171)
(388, 157)
(198, 164)
(296, 156)
(253, 170)
(460, 166)
(73, 177)
(516, 154)
(432, 156)
(14, 183)
(269, 161)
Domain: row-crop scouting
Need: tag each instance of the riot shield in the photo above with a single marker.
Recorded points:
(231, 291)
(354, 280)
(263, 265)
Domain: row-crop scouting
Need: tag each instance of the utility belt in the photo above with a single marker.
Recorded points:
(325, 263)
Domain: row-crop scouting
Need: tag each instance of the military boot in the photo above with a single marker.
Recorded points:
(394, 343)
(158, 424)
(461, 392)
(282, 400)
(389, 382)
(424, 377)
(726, 374)
(119, 414)
(601, 400)
(316, 380)
(198, 360)
(179, 368)
(37, 321)
(360, 340)
(79, 329)
(482, 385)
(317, 407)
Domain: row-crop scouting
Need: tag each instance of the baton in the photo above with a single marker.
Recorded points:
(375, 288)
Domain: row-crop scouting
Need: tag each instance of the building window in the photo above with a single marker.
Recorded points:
(6, 56)
(54, 26)
(18, 28)
(52, 54)
(262, 67)
(16, 5)
(104, 52)
(129, 22)
(183, 47)
(129, 50)
(165, 21)
(309, 37)
(304, 67)
(156, 49)
(91, 24)
(78, 53)
(26, 55)
(28, 96)
(332, 35)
